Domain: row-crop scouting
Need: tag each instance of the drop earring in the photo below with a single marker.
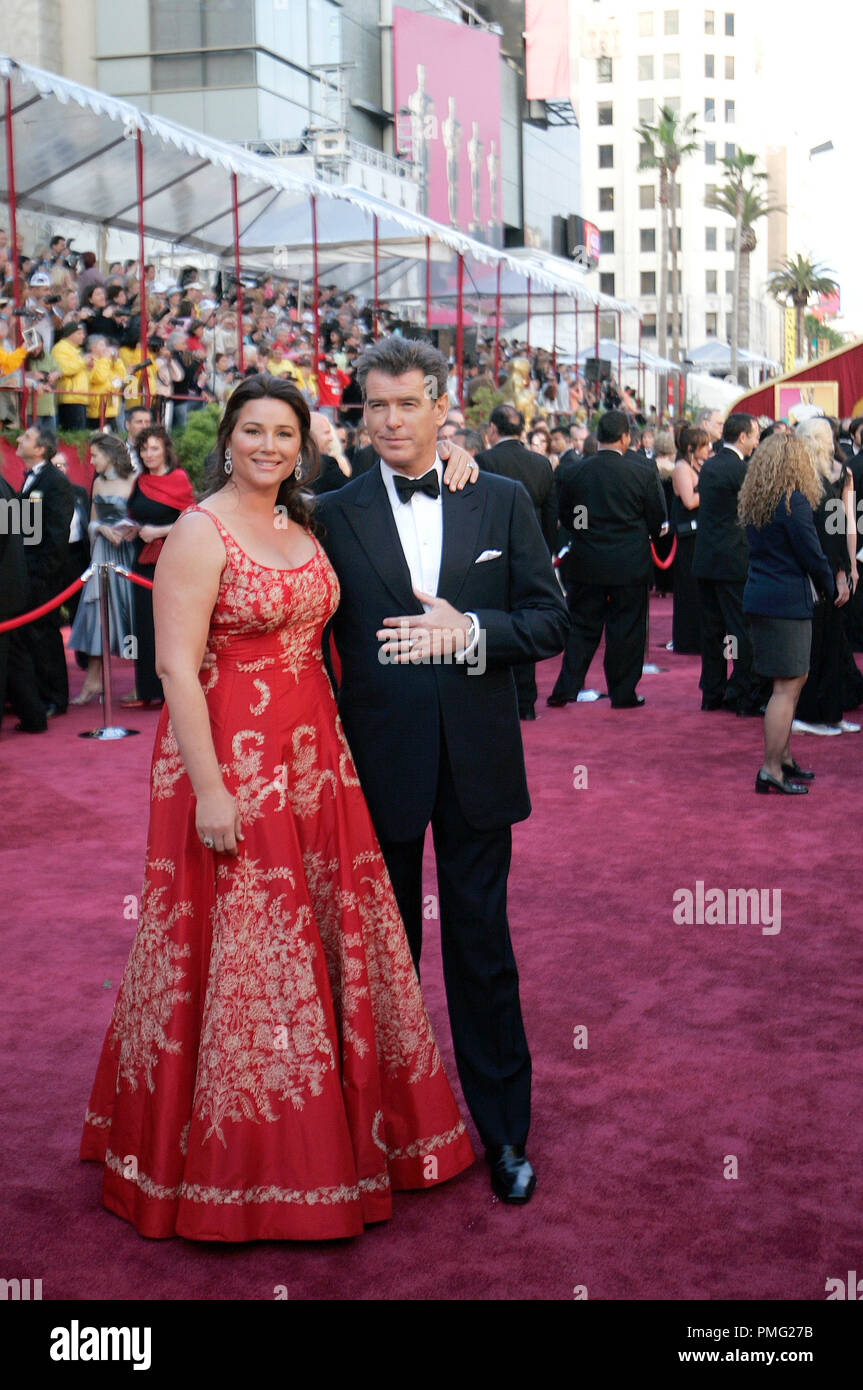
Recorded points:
(298, 471)
(229, 463)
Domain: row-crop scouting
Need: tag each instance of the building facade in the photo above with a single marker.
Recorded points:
(630, 60)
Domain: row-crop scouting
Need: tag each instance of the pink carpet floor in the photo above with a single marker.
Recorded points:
(709, 1047)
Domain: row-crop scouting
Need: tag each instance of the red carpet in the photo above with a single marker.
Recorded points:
(704, 1041)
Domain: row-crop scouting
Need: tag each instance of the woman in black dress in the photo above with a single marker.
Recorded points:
(161, 493)
(820, 707)
(693, 449)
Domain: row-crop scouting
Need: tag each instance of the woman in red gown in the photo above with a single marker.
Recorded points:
(269, 1072)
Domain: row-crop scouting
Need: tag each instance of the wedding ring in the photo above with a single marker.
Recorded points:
(208, 843)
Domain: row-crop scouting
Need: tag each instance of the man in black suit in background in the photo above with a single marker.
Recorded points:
(614, 506)
(509, 458)
(436, 738)
(720, 565)
(50, 495)
(17, 674)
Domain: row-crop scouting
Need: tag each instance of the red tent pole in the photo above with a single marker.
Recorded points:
(459, 332)
(375, 311)
(554, 332)
(241, 362)
(619, 354)
(13, 213)
(575, 306)
(528, 316)
(596, 331)
(428, 282)
(497, 327)
(638, 378)
(142, 274)
(315, 287)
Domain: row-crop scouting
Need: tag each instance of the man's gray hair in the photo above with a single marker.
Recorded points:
(394, 356)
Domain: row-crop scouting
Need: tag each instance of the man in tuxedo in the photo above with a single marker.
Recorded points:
(509, 458)
(139, 418)
(17, 673)
(613, 505)
(441, 594)
(720, 565)
(49, 494)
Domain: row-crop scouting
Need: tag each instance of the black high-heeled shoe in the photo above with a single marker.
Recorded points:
(764, 783)
(796, 772)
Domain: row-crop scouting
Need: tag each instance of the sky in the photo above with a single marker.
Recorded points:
(814, 93)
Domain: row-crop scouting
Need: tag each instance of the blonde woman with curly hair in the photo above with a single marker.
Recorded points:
(786, 563)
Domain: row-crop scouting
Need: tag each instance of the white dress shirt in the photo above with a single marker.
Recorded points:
(419, 522)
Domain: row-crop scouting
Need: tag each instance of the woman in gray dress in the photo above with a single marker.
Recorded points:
(111, 537)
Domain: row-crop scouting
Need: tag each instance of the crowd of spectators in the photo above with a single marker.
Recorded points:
(87, 367)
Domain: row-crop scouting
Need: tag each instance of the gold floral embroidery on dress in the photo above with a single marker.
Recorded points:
(168, 768)
(242, 1196)
(332, 908)
(347, 771)
(420, 1147)
(251, 785)
(402, 1029)
(305, 779)
(264, 1037)
(264, 691)
(368, 958)
(152, 988)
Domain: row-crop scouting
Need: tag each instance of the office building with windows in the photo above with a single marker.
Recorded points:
(633, 61)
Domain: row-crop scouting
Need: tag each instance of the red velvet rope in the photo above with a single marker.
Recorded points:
(24, 618)
(135, 578)
(664, 564)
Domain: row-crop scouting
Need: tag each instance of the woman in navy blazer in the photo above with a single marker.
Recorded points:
(786, 565)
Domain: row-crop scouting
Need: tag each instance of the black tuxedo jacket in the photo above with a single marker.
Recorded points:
(393, 715)
(721, 551)
(48, 562)
(624, 510)
(510, 459)
(14, 584)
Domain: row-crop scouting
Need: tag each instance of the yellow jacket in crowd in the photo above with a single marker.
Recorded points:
(129, 358)
(104, 372)
(74, 378)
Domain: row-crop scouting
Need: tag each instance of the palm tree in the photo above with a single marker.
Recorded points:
(664, 145)
(797, 279)
(745, 204)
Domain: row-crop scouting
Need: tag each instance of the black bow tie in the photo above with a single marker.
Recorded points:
(428, 483)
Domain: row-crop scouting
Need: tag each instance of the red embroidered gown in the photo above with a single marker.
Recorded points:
(269, 1072)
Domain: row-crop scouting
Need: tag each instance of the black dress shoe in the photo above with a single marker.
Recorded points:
(557, 701)
(512, 1177)
(764, 783)
(634, 703)
(527, 713)
(28, 729)
(796, 773)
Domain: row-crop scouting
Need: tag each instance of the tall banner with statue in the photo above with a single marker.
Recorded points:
(447, 103)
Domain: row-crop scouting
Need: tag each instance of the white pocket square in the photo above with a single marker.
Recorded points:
(487, 555)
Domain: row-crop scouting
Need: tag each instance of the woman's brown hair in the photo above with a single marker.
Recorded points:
(159, 432)
(263, 386)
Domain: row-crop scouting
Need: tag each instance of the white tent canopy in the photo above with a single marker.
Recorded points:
(76, 154)
(716, 355)
(542, 330)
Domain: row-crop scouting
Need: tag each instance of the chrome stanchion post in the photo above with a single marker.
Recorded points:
(109, 730)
